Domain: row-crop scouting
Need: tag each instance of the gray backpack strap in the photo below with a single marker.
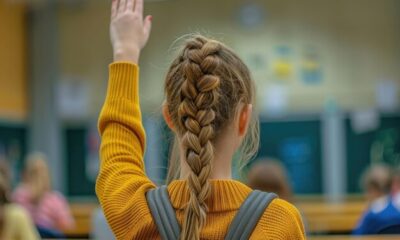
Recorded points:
(249, 214)
(163, 214)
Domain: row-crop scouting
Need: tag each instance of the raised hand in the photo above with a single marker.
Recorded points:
(128, 30)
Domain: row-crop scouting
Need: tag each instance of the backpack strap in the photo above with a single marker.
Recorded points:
(163, 213)
(249, 214)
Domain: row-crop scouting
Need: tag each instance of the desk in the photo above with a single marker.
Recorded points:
(322, 217)
(82, 213)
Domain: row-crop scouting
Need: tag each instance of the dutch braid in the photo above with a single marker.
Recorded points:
(199, 94)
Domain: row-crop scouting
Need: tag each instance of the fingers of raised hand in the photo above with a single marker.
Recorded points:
(130, 5)
(114, 8)
(121, 6)
(147, 25)
(139, 7)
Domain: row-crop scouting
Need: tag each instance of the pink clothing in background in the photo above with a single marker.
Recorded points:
(52, 212)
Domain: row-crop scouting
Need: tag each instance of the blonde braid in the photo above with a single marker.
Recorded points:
(199, 95)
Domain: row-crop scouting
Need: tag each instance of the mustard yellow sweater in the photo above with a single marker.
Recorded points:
(122, 181)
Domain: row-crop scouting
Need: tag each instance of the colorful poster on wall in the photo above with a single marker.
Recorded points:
(283, 65)
(311, 71)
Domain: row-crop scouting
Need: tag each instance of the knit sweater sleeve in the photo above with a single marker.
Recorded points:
(122, 183)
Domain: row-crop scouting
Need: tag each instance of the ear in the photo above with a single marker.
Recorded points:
(167, 117)
(245, 114)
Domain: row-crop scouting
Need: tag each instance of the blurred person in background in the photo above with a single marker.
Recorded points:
(381, 213)
(49, 209)
(270, 176)
(5, 171)
(15, 222)
(395, 188)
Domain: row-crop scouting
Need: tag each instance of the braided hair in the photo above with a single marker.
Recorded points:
(204, 86)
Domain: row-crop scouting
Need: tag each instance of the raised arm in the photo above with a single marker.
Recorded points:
(122, 181)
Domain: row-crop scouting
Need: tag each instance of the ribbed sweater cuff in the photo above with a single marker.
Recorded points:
(124, 81)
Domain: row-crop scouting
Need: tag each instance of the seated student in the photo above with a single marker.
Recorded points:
(15, 222)
(5, 171)
(49, 209)
(270, 176)
(395, 190)
(208, 106)
(381, 212)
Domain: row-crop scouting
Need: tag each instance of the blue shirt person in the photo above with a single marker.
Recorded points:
(383, 210)
(382, 213)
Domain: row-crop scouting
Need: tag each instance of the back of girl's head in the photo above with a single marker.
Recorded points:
(377, 178)
(36, 175)
(5, 171)
(204, 87)
(395, 188)
(4, 191)
(4, 182)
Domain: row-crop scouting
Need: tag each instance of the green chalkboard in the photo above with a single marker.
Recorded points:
(297, 144)
(76, 153)
(379, 145)
(81, 155)
(13, 146)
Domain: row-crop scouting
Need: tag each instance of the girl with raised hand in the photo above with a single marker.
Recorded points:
(209, 105)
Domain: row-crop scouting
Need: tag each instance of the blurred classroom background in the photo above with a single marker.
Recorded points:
(327, 75)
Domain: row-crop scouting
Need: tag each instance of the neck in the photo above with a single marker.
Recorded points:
(221, 165)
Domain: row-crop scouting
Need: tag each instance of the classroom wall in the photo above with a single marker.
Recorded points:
(357, 43)
(13, 95)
